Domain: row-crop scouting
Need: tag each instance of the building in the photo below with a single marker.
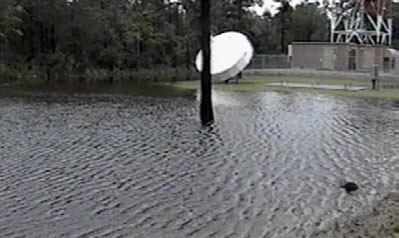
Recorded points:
(361, 32)
(341, 56)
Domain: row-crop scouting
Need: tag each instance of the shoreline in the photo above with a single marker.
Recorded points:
(319, 73)
(380, 223)
(380, 216)
(261, 83)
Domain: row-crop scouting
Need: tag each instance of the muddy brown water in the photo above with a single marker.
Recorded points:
(114, 163)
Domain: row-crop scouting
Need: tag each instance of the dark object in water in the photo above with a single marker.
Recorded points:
(350, 187)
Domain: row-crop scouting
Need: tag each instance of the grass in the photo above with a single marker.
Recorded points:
(259, 83)
(396, 231)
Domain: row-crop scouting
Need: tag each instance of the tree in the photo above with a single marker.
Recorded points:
(395, 16)
(263, 34)
(310, 23)
(52, 38)
(10, 28)
(284, 19)
(206, 110)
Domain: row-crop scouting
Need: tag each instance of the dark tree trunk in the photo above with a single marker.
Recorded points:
(41, 38)
(239, 15)
(206, 110)
(188, 55)
(309, 36)
(282, 39)
(52, 39)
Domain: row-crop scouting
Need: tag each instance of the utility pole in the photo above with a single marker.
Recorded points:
(206, 110)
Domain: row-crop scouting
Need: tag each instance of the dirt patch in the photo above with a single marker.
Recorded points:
(379, 224)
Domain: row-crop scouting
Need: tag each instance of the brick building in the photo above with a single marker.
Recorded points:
(341, 56)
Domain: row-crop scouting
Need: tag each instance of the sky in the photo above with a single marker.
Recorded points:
(272, 5)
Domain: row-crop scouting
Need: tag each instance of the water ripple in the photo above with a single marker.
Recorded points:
(121, 166)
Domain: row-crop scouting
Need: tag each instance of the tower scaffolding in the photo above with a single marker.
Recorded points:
(361, 21)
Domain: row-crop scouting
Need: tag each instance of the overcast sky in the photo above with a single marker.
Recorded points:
(272, 5)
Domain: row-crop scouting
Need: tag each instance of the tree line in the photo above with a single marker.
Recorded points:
(118, 39)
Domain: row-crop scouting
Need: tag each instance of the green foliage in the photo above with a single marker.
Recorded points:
(395, 17)
(57, 39)
(310, 23)
(8, 74)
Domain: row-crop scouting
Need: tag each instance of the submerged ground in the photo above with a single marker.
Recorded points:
(113, 164)
(388, 87)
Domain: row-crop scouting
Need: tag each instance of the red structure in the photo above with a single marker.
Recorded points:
(361, 22)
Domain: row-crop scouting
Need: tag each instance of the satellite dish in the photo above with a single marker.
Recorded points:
(231, 53)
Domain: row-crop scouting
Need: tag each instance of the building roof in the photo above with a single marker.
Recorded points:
(321, 43)
(336, 44)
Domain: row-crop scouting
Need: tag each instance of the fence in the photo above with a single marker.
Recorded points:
(270, 62)
(322, 62)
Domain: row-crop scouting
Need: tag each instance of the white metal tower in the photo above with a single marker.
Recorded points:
(361, 21)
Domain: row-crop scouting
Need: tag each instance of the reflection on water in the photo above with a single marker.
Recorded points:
(111, 165)
(85, 89)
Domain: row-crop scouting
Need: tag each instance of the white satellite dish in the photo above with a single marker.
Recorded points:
(231, 53)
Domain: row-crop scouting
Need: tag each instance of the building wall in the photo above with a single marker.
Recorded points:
(366, 57)
(373, 55)
(396, 67)
(379, 57)
(342, 57)
(307, 56)
(339, 56)
(320, 56)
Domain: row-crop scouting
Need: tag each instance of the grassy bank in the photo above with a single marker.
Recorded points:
(25, 74)
(390, 88)
(396, 231)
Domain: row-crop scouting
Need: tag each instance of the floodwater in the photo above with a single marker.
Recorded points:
(120, 164)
